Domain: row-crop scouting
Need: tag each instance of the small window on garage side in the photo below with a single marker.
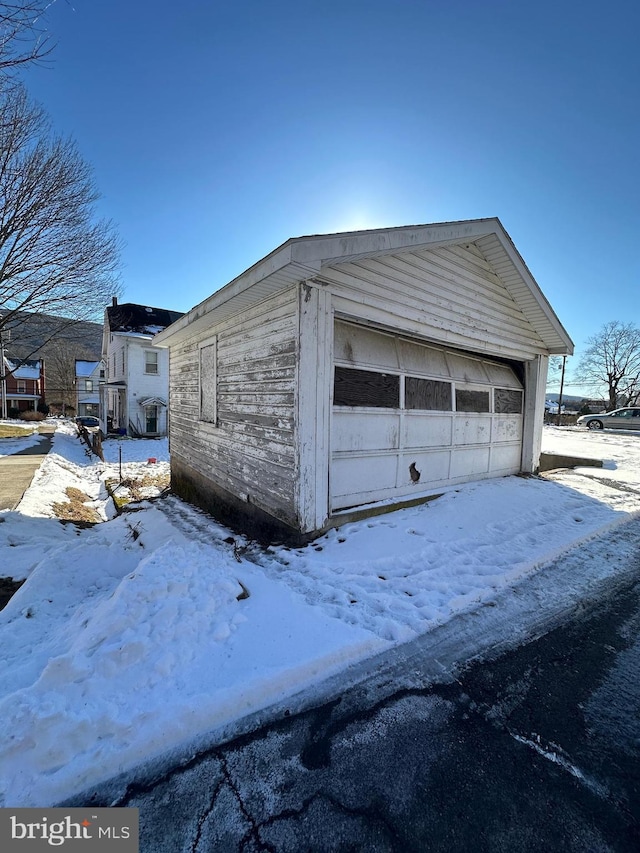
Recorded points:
(469, 400)
(208, 394)
(427, 394)
(507, 402)
(366, 388)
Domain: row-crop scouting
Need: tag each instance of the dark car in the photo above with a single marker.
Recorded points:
(89, 423)
(627, 418)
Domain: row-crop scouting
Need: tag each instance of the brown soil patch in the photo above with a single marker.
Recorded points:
(75, 509)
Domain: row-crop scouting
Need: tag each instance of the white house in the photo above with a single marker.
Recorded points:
(134, 394)
(344, 373)
(88, 377)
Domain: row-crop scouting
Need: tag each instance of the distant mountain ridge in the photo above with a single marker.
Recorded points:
(34, 335)
(568, 398)
(59, 342)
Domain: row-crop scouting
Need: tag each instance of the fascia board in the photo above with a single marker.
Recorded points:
(518, 262)
(339, 248)
(272, 263)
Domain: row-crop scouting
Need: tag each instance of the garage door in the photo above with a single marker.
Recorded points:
(408, 418)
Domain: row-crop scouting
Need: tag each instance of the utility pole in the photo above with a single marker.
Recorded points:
(564, 364)
(3, 378)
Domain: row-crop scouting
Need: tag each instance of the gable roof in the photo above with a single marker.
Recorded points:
(86, 368)
(29, 369)
(139, 319)
(303, 258)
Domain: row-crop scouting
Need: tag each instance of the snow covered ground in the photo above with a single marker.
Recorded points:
(30, 438)
(140, 633)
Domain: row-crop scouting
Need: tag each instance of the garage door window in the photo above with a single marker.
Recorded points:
(468, 400)
(507, 402)
(427, 394)
(375, 369)
(366, 388)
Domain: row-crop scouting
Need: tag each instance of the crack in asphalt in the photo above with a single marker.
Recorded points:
(205, 815)
(138, 789)
(254, 831)
(366, 813)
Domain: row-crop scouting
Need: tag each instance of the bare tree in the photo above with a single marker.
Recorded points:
(554, 371)
(60, 362)
(612, 361)
(55, 257)
(23, 37)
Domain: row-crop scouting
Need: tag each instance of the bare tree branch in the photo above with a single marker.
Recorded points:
(612, 361)
(55, 257)
(61, 373)
(23, 34)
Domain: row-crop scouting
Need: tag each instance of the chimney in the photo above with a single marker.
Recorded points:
(114, 301)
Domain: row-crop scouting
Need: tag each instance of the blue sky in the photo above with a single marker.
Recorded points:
(219, 130)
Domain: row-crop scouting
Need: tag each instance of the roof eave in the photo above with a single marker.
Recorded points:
(301, 258)
(537, 310)
(247, 279)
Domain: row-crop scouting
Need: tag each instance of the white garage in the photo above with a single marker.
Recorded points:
(346, 373)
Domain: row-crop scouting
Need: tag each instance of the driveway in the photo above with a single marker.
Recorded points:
(16, 471)
(535, 749)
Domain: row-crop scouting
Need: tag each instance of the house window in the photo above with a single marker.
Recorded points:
(150, 361)
(122, 358)
(469, 400)
(22, 386)
(427, 394)
(366, 388)
(208, 381)
(507, 402)
(88, 385)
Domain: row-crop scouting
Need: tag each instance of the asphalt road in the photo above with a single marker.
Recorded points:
(17, 470)
(536, 750)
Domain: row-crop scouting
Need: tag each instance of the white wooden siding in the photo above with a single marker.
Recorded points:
(251, 452)
(315, 370)
(536, 382)
(449, 295)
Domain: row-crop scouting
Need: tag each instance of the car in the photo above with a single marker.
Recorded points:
(88, 422)
(627, 418)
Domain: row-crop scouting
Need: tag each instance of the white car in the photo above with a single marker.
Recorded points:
(627, 418)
